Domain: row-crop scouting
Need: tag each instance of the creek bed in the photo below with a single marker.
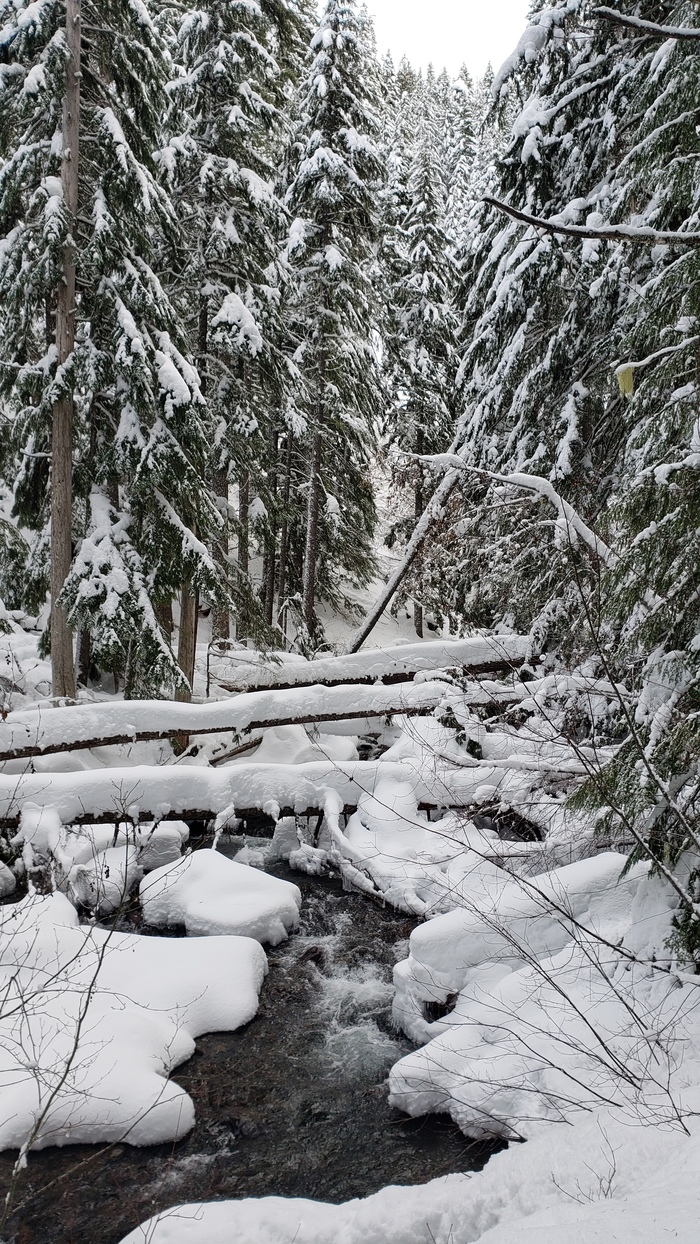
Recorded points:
(293, 1104)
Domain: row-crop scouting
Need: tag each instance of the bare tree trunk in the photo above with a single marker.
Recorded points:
(431, 513)
(269, 565)
(164, 613)
(243, 543)
(220, 618)
(220, 622)
(62, 666)
(84, 657)
(417, 511)
(284, 536)
(187, 640)
(313, 506)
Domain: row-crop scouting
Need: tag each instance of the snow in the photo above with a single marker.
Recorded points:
(557, 1011)
(100, 1020)
(529, 45)
(210, 894)
(96, 866)
(235, 315)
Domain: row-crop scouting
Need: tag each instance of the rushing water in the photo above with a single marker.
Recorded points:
(294, 1104)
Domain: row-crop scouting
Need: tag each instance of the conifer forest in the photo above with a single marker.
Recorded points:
(349, 628)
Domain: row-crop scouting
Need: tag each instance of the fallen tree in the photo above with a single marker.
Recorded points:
(148, 792)
(476, 655)
(45, 731)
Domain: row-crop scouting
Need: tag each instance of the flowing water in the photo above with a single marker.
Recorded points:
(294, 1104)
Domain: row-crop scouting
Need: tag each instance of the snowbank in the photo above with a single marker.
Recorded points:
(96, 866)
(554, 1006)
(93, 1022)
(210, 894)
(608, 1182)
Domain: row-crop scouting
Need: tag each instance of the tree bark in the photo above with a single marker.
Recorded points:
(187, 639)
(62, 664)
(220, 617)
(164, 613)
(313, 506)
(270, 560)
(243, 544)
(284, 537)
(418, 505)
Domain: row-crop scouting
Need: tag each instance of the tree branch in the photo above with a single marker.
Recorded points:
(640, 235)
(650, 28)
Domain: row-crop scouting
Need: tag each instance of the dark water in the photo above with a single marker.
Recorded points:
(294, 1104)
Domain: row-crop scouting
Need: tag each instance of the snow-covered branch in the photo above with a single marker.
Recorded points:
(648, 28)
(638, 234)
(568, 518)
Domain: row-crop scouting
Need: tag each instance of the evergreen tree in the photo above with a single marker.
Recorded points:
(139, 437)
(223, 158)
(421, 300)
(334, 179)
(550, 320)
(536, 383)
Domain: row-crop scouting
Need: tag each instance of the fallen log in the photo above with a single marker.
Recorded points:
(396, 663)
(47, 731)
(148, 792)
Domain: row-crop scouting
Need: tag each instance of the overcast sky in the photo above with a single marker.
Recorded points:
(449, 33)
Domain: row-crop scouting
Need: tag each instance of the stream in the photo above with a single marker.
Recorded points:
(293, 1104)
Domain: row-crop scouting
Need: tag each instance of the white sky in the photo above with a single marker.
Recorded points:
(449, 33)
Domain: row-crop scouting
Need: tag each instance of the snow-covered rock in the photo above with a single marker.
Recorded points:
(97, 1020)
(210, 894)
(105, 882)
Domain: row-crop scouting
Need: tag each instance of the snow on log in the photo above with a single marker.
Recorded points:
(395, 663)
(47, 730)
(147, 792)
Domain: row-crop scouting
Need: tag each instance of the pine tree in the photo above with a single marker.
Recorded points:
(551, 320)
(335, 171)
(421, 299)
(536, 384)
(223, 152)
(138, 440)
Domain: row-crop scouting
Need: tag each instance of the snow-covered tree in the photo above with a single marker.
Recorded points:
(421, 299)
(226, 136)
(139, 440)
(550, 320)
(332, 198)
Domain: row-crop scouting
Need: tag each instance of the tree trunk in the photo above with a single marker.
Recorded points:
(187, 640)
(269, 565)
(284, 537)
(84, 657)
(220, 618)
(243, 544)
(313, 506)
(164, 614)
(432, 512)
(417, 511)
(62, 665)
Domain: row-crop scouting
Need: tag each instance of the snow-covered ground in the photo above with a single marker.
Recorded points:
(540, 991)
